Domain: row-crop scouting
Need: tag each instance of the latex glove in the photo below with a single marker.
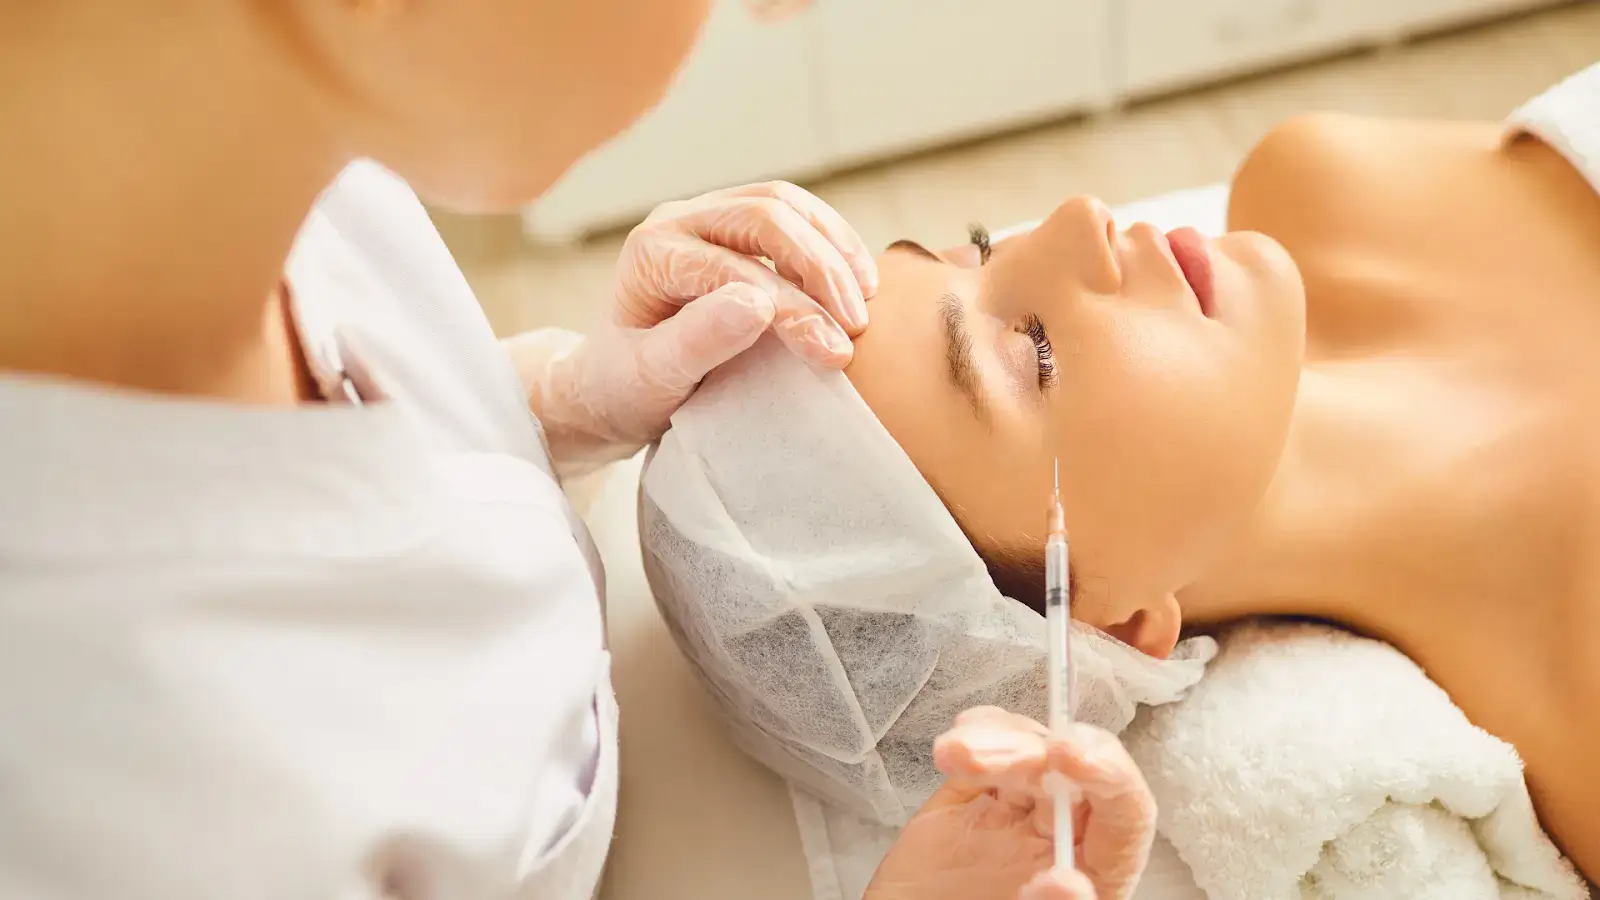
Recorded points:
(987, 832)
(692, 292)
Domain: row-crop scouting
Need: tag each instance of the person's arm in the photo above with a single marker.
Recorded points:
(693, 290)
(539, 357)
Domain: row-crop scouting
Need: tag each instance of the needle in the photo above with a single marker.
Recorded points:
(1058, 615)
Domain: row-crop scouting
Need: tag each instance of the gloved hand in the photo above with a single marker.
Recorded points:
(692, 292)
(987, 832)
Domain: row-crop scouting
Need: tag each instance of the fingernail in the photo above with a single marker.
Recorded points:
(855, 309)
(869, 279)
(1058, 884)
(991, 746)
(759, 302)
(829, 337)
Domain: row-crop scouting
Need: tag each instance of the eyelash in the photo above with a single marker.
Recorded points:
(1032, 326)
(1034, 329)
(979, 236)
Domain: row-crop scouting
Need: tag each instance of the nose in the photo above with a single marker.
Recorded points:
(1082, 230)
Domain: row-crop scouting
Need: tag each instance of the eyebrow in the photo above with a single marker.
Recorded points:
(957, 339)
(958, 355)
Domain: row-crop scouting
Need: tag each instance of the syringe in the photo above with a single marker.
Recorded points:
(1058, 615)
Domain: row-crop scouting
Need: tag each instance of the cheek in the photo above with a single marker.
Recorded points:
(1171, 438)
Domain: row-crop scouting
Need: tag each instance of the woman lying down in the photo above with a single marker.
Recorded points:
(1372, 402)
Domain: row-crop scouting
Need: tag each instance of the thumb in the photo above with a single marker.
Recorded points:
(676, 354)
(1053, 884)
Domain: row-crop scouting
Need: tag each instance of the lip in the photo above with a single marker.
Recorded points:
(1192, 250)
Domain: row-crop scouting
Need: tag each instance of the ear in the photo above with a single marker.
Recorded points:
(1152, 630)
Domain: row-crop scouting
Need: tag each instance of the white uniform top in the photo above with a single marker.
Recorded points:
(345, 651)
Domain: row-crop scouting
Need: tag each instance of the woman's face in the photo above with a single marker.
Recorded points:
(1164, 388)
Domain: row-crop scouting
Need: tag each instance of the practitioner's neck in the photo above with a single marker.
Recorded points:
(150, 192)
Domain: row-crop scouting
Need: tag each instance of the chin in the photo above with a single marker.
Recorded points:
(496, 197)
(1265, 258)
(491, 180)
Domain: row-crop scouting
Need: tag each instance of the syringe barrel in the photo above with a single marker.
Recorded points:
(1055, 571)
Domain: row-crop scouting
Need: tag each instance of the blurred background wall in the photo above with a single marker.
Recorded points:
(915, 117)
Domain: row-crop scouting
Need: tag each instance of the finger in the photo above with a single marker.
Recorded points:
(1055, 884)
(1095, 760)
(997, 715)
(829, 222)
(1119, 824)
(1001, 752)
(675, 355)
(1056, 789)
(771, 228)
(685, 267)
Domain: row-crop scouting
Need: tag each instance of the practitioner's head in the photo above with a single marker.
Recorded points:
(1168, 411)
(480, 104)
(483, 104)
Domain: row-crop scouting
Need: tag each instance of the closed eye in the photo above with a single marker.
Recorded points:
(1033, 327)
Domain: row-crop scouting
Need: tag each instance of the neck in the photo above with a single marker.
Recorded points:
(1367, 524)
(149, 199)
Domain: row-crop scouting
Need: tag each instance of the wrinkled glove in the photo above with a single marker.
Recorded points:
(692, 292)
(987, 832)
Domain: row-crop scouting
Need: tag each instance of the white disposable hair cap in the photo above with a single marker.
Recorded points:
(831, 604)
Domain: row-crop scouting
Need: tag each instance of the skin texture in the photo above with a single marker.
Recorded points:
(1192, 393)
(1426, 475)
(173, 289)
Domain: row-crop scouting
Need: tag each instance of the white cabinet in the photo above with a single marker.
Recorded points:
(851, 81)
(1397, 18)
(902, 75)
(1171, 43)
(1168, 44)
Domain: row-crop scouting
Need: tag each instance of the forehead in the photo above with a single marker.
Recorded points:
(899, 362)
(900, 369)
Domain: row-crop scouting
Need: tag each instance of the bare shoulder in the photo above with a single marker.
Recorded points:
(1295, 159)
(1324, 177)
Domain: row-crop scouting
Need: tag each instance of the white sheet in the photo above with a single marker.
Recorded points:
(679, 767)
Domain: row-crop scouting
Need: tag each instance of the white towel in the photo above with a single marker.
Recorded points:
(1567, 117)
(1310, 763)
